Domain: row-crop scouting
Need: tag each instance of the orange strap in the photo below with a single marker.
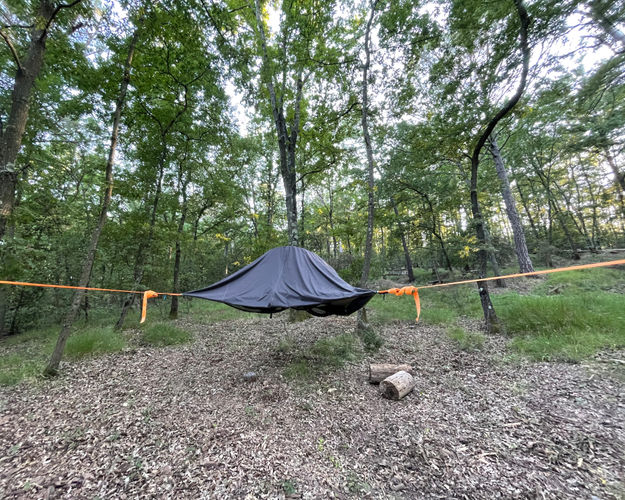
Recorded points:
(149, 294)
(407, 290)
(414, 291)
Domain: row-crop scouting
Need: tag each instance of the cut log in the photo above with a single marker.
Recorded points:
(397, 386)
(379, 372)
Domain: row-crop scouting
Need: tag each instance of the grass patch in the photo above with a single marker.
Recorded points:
(162, 334)
(17, 367)
(564, 327)
(324, 355)
(23, 356)
(438, 306)
(94, 341)
(207, 311)
(466, 341)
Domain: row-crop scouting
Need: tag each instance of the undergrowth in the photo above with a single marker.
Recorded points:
(325, 354)
(162, 334)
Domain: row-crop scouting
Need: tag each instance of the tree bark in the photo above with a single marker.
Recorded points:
(362, 323)
(55, 359)
(145, 245)
(490, 317)
(173, 310)
(11, 137)
(520, 245)
(287, 142)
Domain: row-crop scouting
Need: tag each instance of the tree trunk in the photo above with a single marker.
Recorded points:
(520, 245)
(492, 322)
(85, 276)
(619, 180)
(286, 142)
(526, 209)
(173, 310)
(11, 136)
(404, 244)
(362, 323)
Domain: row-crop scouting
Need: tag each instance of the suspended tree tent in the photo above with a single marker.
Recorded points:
(287, 277)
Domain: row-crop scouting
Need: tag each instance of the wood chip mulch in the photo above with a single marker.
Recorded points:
(181, 422)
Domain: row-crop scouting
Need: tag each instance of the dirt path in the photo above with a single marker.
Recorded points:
(181, 423)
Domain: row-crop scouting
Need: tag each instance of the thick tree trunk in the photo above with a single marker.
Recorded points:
(286, 142)
(362, 323)
(85, 276)
(490, 317)
(11, 137)
(404, 244)
(520, 245)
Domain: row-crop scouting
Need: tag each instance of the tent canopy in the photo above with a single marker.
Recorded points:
(287, 277)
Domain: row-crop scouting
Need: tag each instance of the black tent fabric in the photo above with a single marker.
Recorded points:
(287, 277)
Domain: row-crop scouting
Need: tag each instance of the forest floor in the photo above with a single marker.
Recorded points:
(181, 422)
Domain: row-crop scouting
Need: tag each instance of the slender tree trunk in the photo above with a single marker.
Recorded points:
(526, 209)
(520, 245)
(619, 180)
(85, 276)
(173, 311)
(362, 323)
(404, 243)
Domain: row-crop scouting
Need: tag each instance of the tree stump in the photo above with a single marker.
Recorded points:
(379, 372)
(397, 386)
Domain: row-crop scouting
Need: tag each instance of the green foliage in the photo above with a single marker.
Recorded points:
(162, 334)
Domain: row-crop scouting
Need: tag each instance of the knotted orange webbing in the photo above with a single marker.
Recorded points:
(407, 290)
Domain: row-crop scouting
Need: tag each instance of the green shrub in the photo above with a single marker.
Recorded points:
(162, 334)
(95, 340)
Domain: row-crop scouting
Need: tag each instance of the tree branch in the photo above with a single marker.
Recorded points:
(12, 49)
(58, 8)
(525, 51)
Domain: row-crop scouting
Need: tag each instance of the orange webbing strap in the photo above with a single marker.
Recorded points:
(414, 291)
(149, 294)
(407, 290)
